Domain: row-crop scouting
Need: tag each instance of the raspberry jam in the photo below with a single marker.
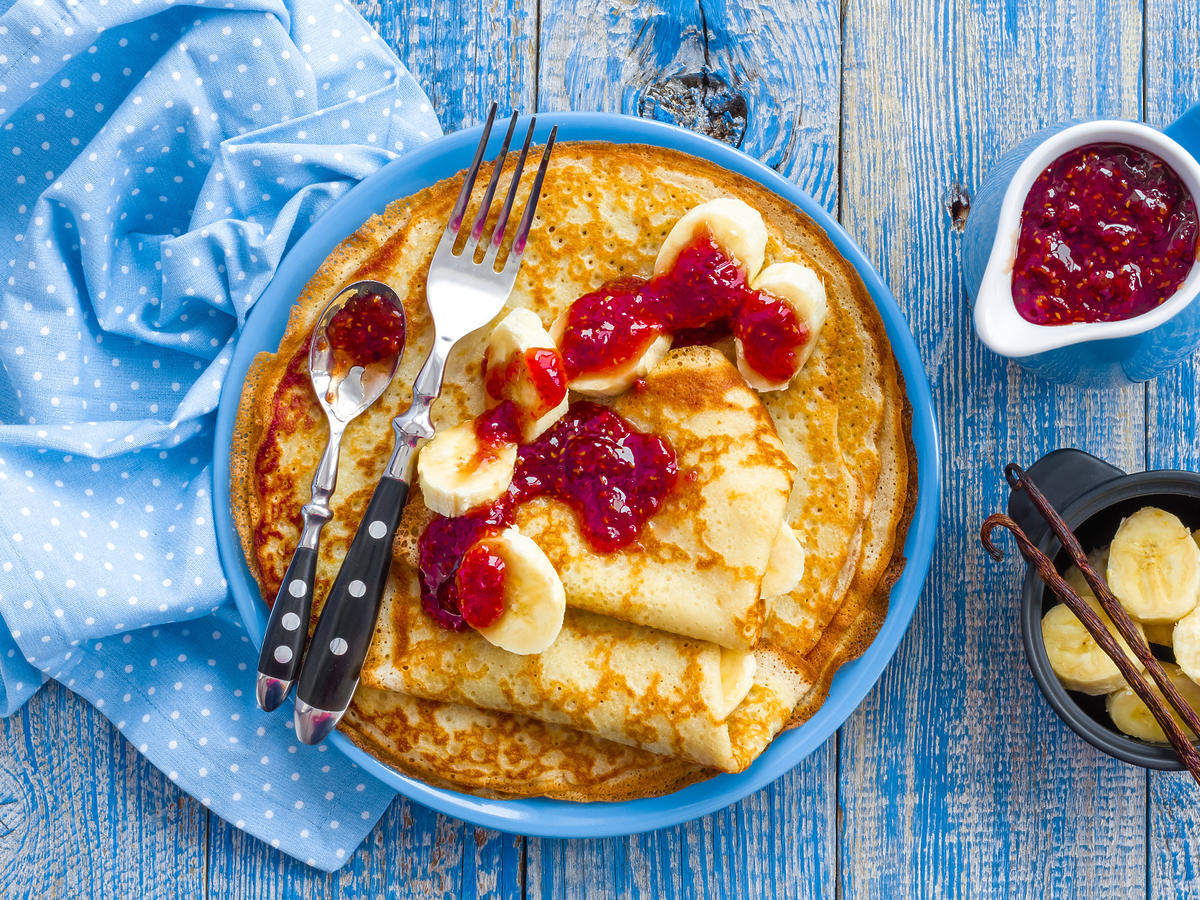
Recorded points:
(441, 551)
(543, 368)
(704, 286)
(609, 327)
(548, 376)
(1108, 232)
(498, 426)
(479, 586)
(701, 299)
(771, 333)
(368, 328)
(614, 478)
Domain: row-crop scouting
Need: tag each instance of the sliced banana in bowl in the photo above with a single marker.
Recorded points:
(1078, 661)
(1139, 531)
(1154, 566)
(1134, 718)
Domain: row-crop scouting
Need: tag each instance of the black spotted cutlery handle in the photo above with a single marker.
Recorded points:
(287, 630)
(343, 634)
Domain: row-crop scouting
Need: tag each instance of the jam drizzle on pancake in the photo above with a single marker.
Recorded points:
(701, 299)
(614, 477)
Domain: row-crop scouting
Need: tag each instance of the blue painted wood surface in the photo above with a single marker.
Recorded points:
(954, 779)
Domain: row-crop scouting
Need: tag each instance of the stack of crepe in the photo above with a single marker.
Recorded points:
(670, 666)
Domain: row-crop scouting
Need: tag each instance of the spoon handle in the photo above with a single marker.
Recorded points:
(287, 630)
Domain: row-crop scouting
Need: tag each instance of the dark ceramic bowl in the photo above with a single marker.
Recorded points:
(1093, 498)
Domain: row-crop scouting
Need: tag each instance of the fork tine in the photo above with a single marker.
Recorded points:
(486, 203)
(464, 195)
(535, 192)
(498, 233)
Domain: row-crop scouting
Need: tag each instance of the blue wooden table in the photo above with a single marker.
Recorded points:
(954, 778)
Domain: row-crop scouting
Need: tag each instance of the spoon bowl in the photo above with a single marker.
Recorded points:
(344, 391)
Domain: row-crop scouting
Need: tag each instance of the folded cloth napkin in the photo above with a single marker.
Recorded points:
(156, 161)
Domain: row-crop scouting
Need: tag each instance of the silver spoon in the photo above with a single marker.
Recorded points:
(344, 389)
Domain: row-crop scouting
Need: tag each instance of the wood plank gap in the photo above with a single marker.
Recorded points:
(1145, 89)
(837, 795)
(206, 875)
(841, 143)
(537, 106)
(524, 866)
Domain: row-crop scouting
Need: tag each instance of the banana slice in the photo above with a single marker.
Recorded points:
(457, 472)
(1098, 560)
(620, 378)
(801, 288)
(1078, 661)
(785, 565)
(534, 599)
(1133, 717)
(735, 226)
(522, 364)
(1154, 566)
(737, 677)
(1185, 639)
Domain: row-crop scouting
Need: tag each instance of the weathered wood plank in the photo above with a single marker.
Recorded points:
(83, 815)
(1172, 440)
(763, 77)
(411, 853)
(957, 779)
(463, 53)
(778, 842)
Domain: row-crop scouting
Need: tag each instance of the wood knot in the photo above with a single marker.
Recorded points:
(957, 202)
(702, 101)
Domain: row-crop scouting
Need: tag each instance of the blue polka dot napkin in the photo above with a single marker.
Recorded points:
(156, 161)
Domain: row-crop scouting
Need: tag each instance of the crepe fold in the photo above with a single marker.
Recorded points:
(609, 673)
(629, 684)
(696, 568)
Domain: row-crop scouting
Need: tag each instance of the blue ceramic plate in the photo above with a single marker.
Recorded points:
(557, 818)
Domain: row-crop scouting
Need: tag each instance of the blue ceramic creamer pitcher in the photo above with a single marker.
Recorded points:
(1083, 353)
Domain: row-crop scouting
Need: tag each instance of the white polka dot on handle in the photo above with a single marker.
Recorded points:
(338, 646)
(357, 588)
(283, 654)
(297, 588)
(290, 621)
(377, 529)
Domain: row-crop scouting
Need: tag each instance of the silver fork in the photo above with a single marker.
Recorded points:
(463, 295)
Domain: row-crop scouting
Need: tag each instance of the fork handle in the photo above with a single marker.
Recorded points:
(343, 634)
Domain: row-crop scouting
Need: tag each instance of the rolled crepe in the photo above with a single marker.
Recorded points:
(696, 567)
(633, 685)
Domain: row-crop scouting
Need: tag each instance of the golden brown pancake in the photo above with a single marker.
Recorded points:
(844, 424)
(706, 549)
